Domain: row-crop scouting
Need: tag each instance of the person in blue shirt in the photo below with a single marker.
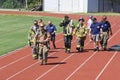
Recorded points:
(52, 30)
(95, 33)
(106, 30)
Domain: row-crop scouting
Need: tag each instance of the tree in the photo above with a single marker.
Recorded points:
(19, 3)
(1, 2)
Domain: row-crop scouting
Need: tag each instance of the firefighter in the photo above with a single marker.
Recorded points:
(42, 37)
(80, 31)
(69, 32)
(64, 23)
(31, 35)
(41, 22)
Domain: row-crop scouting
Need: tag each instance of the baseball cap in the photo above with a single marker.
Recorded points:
(94, 19)
(104, 17)
(90, 16)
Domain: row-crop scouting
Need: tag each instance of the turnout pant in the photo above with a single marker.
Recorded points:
(35, 51)
(67, 42)
(80, 43)
(43, 53)
(104, 39)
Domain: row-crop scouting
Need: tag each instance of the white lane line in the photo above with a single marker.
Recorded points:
(114, 35)
(14, 62)
(80, 66)
(53, 67)
(13, 52)
(115, 53)
(36, 63)
(56, 65)
(86, 60)
(26, 68)
(21, 58)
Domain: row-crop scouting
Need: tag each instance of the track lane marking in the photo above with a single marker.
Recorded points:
(56, 65)
(14, 51)
(115, 53)
(30, 66)
(80, 66)
(33, 65)
(21, 58)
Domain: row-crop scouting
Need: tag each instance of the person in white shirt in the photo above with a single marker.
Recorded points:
(89, 22)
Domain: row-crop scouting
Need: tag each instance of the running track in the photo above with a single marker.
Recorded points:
(89, 65)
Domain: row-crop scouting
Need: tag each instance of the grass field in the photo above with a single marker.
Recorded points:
(14, 30)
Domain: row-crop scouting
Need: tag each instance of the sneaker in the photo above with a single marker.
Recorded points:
(44, 63)
(41, 62)
(97, 49)
(68, 51)
(104, 49)
(81, 49)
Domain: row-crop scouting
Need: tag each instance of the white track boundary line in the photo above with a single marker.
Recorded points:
(86, 61)
(14, 51)
(21, 58)
(115, 53)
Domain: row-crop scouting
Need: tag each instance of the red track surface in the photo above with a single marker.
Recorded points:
(89, 65)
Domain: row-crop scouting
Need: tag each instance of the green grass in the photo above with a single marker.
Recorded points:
(14, 30)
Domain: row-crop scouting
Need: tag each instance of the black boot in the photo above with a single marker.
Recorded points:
(54, 46)
(78, 49)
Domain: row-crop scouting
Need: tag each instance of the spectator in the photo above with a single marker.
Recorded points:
(52, 30)
(95, 33)
(106, 30)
